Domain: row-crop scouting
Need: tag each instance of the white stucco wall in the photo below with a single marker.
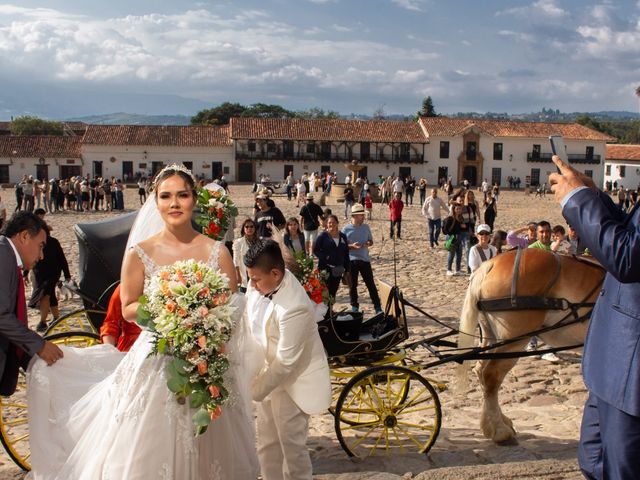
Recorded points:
(631, 178)
(514, 157)
(199, 156)
(29, 166)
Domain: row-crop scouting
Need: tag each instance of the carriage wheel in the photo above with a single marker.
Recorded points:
(78, 320)
(341, 375)
(387, 408)
(14, 428)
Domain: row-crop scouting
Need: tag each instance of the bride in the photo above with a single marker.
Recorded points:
(98, 414)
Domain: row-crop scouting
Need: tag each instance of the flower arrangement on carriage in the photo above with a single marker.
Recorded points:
(216, 211)
(190, 313)
(313, 280)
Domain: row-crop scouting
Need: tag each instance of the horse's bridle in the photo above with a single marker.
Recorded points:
(541, 302)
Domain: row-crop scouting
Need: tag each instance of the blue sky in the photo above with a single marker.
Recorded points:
(344, 55)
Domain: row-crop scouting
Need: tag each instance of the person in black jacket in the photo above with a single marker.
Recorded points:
(47, 273)
(455, 225)
(332, 251)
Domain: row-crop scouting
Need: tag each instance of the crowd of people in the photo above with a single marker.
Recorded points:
(81, 194)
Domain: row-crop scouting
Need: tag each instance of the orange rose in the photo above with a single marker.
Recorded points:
(204, 292)
(171, 307)
(204, 311)
(202, 342)
(199, 276)
(182, 312)
(213, 390)
(164, 275)
(202, 368)
(215, 413)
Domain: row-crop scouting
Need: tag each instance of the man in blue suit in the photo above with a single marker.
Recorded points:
(610, 433)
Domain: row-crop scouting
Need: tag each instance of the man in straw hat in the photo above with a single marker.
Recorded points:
(359, 238)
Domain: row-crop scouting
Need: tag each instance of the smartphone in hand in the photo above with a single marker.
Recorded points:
(558, 148)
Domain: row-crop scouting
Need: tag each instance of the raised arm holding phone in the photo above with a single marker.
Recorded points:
(610, 432)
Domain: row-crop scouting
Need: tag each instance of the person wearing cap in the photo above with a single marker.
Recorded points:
(359, 239)
(267, 217)
(265, 193)
(310, 218)
(483, 250)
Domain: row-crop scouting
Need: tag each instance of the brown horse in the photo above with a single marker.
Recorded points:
(518, 307)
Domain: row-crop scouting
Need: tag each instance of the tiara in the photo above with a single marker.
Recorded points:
(173, 168)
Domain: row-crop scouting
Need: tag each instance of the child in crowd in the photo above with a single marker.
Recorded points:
(368, 205)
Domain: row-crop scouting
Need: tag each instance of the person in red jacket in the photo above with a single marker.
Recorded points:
(395, 210)
(115, 330)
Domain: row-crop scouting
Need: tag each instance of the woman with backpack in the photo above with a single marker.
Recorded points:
(454, 227)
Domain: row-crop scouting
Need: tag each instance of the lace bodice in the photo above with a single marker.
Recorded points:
(151, 267)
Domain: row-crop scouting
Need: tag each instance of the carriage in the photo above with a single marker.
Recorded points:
(382, 403)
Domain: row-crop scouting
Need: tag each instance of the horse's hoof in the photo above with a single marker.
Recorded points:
(509, 442)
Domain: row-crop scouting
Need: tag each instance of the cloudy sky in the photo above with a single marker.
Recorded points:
(347, 55)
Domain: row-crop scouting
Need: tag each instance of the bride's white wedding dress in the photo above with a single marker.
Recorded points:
(102, 414)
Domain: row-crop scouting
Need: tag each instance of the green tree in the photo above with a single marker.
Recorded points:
(427, 110)
(28, 125)
(317, 113)
(220, 115)
(263, 110)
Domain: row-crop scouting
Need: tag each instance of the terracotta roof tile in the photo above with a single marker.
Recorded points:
(155, 135)
(449, 127)
(623, 152)
(327, 130)
(39, 146)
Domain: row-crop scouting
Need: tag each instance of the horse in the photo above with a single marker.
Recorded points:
(512, 295)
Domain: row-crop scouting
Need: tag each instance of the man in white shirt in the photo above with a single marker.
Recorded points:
(485, 189)
(431, 209)
(397, 186)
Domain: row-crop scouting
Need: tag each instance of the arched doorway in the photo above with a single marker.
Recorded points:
(470, 173)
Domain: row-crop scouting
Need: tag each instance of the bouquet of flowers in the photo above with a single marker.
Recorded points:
(216, 210)
(313, 280)
(189, 311)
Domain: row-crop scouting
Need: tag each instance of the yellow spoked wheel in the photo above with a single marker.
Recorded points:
(78, 320)
(14, 428)
(388, 409)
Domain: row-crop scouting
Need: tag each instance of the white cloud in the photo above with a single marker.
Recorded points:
(413, 5)
(540, 8)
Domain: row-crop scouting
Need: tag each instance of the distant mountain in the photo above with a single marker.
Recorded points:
(122, 118)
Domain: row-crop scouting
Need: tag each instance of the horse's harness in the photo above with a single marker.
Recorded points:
(543, 301)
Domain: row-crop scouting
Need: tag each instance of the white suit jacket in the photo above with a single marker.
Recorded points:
(294, 357)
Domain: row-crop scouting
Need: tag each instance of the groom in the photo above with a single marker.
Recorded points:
(294, 378)
(21, 247)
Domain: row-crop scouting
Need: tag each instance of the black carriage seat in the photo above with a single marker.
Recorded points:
(347, 334)
(101, 248)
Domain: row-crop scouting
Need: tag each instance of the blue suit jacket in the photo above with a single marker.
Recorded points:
(611, 362)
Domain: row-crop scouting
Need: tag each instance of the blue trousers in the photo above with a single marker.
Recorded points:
(609, 442)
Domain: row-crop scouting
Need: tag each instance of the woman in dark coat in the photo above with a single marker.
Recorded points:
(332, 251)
(47, 272)
(490, 210)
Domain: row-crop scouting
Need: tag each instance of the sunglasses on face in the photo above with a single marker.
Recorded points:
(249, 226)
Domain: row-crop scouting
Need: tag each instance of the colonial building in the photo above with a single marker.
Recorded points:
(496, 149)
(42, 156)
(129, 151)
(622, 166)
(276, 147)
(434, 148)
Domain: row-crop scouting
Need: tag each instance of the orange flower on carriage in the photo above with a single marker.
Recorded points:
(215, 413)
(214, 391)
(203, 367)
